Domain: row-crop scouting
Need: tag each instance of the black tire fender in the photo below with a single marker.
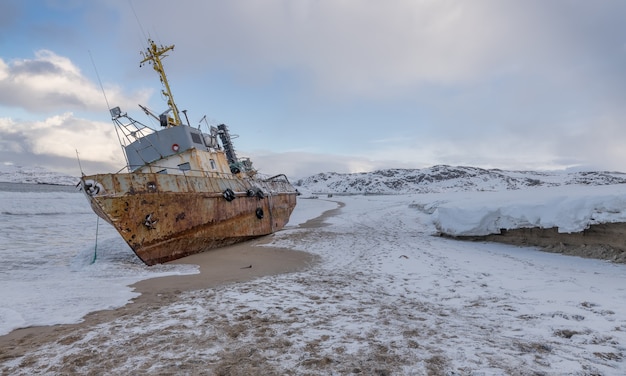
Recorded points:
(259, 193)
(229, 195)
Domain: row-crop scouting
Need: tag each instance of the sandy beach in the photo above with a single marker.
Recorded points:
(236, 263)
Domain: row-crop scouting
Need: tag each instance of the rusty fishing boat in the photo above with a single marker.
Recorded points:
(184, 190)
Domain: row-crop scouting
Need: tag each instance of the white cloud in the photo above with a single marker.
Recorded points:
(53, 83)
(63, 135)
(4, 70)
(60, 136)
(8, 144)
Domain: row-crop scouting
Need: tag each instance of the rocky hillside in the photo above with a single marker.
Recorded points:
(448, 178)
(392, 181)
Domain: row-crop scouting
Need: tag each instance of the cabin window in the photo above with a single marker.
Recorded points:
(213, 165)
(184, 166)
(196, 138)
(163, 171)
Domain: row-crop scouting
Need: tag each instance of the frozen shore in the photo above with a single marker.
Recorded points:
(384, 295)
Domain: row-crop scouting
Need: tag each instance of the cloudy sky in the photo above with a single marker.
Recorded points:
(324, 85)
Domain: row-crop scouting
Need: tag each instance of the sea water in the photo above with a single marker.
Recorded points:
(59, 261)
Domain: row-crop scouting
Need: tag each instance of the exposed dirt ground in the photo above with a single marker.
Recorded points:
(606, 241)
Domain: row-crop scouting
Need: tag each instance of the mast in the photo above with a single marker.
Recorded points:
(153, 55)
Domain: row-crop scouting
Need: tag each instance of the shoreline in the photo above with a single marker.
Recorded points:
(236, 263)
(239, 262)
(385, 296)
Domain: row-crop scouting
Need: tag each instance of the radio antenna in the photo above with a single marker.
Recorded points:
(104, 94)
(99, 80)
(145, 37)
(79, 165)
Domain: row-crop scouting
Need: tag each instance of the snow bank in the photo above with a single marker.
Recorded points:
(569, 208)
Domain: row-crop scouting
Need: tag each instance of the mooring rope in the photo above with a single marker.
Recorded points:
(95, 248)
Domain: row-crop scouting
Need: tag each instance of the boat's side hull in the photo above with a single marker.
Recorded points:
(164, 218)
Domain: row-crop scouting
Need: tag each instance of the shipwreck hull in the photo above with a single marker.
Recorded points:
(165, 217)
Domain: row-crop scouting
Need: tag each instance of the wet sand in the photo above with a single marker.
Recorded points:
(236, 263)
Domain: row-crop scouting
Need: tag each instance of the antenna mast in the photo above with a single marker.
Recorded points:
(153, 54)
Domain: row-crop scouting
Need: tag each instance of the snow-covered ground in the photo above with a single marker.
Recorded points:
(387, 297)
(11, 173)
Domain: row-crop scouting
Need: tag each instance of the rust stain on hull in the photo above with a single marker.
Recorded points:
(166, 217)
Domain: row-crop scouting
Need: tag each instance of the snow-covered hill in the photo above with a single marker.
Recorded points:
(439, 179)
(436, 179)
(33, 175)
